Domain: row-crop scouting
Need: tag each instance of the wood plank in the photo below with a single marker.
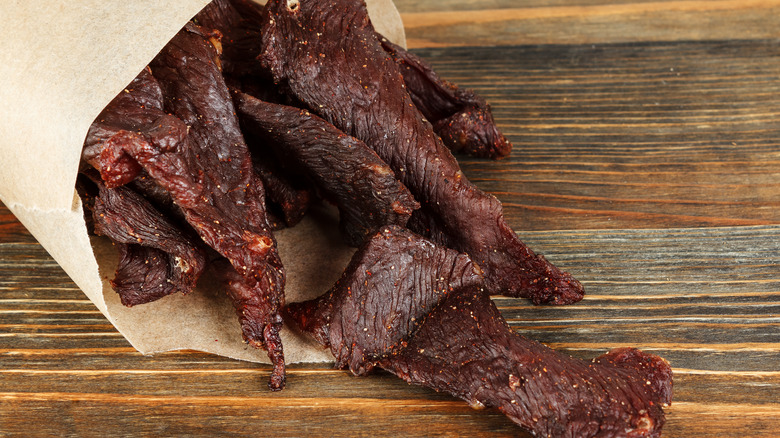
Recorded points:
(629, 136)
(11, 230)
(723, 348)
(506, 22)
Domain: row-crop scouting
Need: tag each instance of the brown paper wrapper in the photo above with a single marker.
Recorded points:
(61, 63)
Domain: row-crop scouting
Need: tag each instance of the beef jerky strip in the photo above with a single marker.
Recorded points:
(229, 212)
(462, 118)
(156, 258)
(239, 23)
(136, 114)
(327, 55)
(466, 349)
(348, 173)
(415, 309)
(205, 167)
(392, 282)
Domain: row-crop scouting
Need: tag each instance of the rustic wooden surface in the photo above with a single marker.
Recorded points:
(646, 162)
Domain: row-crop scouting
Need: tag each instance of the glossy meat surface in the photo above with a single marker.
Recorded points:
(326, 54)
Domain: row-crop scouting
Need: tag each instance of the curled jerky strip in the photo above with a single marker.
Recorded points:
(327, 55)
(156, 258)
(416, 310)
(347, 172)
(463, 119)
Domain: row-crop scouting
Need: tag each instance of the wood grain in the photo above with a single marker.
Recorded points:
(507, 22)
(630, 135)
(706, 299)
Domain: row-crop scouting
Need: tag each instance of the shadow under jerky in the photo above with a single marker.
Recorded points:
(327, 55)
(288, 196)
(437, 328)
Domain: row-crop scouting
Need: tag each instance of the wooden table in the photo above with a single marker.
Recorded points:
(646, 162)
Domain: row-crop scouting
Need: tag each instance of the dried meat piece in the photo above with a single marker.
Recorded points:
(238, 23)
(466, 349)
(137, 114)
(199, 157)
(347, 172)
(228, 210)
(156, 258)
(416, 310)
(463, 119)
(392, 282)
(326, 54)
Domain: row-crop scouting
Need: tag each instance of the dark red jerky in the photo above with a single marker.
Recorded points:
(228, 206)
(465, 348)
(326, 55)
(253, 306)
(416, 309)
(347, 172)
(238, 23)
(199, 157)
(289, 193)
(462, 118)
(286, 194)
(147, 187)
(391, 284)
(136, 115)
(156, 258)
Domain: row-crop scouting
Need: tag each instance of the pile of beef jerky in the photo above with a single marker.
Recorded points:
(248, 116)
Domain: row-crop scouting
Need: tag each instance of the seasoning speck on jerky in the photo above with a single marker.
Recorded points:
(462, 118)
(327, 55)
(416, 310)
